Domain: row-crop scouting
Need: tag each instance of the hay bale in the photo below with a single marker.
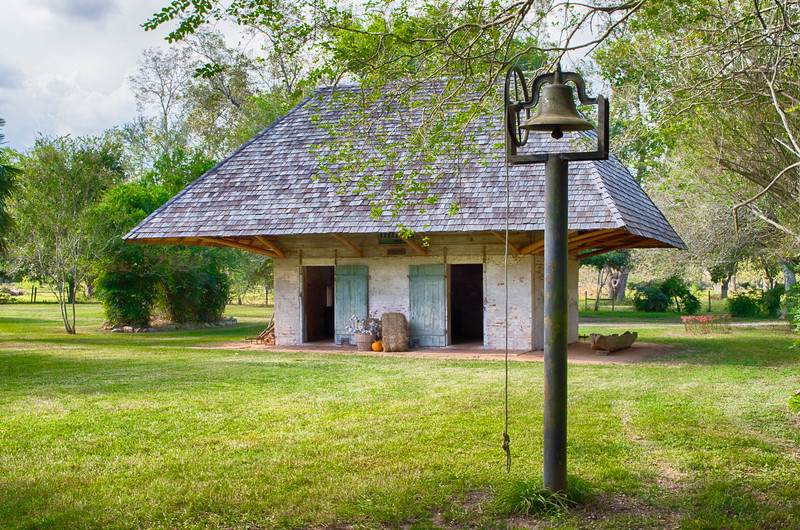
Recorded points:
(395, 332)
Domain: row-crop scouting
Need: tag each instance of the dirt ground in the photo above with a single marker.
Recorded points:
(578, 353)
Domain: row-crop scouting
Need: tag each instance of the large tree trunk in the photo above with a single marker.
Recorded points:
(599, 290)
(789, 278)
(622, 285)
(723, 287)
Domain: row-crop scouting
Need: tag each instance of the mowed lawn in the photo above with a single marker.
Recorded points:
(165, 431)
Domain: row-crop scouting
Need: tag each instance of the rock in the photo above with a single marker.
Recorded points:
(150, 330)
(116, 330)
(169, 328)
(206, 325)
(127, 329)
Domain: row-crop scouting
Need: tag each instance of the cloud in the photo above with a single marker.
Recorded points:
(85, 10)
(11, 77)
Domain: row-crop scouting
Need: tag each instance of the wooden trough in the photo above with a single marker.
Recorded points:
(605, 344)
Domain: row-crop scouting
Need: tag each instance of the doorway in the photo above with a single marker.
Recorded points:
(318, 304)
(466, 303)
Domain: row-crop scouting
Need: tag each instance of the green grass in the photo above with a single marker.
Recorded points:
(163, 431)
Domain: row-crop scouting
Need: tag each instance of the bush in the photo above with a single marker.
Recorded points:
(650, 299)
(771, 300)
(127, 296)
(691, 304)
(196, 295)
(743, 305)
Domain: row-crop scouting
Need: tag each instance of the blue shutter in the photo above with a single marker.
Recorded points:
(352, 298)
(428, 304)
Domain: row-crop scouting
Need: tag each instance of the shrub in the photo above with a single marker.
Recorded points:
(650, 299)
(691, 304)
(127, 296)
(197, 295)
(771, 300)
(742, 305)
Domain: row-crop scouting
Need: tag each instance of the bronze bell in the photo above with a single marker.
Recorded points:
(556, 112)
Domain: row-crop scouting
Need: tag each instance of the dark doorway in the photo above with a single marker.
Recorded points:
(318, 303)
(466, 303)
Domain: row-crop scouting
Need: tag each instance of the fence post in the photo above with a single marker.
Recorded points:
(709, 301)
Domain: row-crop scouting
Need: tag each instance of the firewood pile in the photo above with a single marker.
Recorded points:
(266, 337)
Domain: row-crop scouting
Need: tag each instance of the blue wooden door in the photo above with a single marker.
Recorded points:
(428, 304)
(351, 287)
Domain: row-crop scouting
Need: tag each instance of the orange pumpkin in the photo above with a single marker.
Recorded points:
(377, 345)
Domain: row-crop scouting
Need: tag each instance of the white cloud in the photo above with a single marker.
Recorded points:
(64, 64)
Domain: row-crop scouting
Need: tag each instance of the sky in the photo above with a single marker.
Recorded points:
(64, 65)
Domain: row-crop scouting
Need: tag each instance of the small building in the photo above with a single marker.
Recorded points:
(334, 258)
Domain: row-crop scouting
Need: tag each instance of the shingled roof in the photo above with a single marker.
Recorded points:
(272, 186)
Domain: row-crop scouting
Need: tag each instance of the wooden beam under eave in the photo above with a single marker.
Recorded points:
(511, 245)
(272, 246)
(607, 249)
(538, 246)
(234, 244)
(349, 245)
(608, 239)
(421, 251)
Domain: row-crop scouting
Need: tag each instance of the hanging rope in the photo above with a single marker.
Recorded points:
(506, 438)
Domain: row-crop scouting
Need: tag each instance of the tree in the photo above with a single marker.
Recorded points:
(608, 265)
(8, 177)
(63, 179)
(400, 47)
(718, 79)
(160, 84)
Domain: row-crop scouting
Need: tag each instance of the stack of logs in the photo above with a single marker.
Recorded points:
(266, 337)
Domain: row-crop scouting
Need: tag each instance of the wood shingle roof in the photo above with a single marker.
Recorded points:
(273, 186)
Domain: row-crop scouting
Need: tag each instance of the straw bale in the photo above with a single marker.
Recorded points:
(395, 332)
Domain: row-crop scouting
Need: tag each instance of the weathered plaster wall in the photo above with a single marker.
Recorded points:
(519, 303)
(389, 291)
(288, 317)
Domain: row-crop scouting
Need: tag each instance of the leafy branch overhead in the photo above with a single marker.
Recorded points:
(394, 48)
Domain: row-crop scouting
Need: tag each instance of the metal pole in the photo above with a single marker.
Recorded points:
(555, 325)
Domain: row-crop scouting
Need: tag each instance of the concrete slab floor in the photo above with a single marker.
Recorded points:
(578, 352)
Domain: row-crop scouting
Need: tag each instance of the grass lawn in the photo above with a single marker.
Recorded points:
(160, 430)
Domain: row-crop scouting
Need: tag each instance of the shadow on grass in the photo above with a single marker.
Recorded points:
(16, 320)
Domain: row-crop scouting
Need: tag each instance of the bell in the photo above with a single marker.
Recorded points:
(556, 112)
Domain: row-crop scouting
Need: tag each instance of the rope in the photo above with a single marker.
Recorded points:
(506, 438)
